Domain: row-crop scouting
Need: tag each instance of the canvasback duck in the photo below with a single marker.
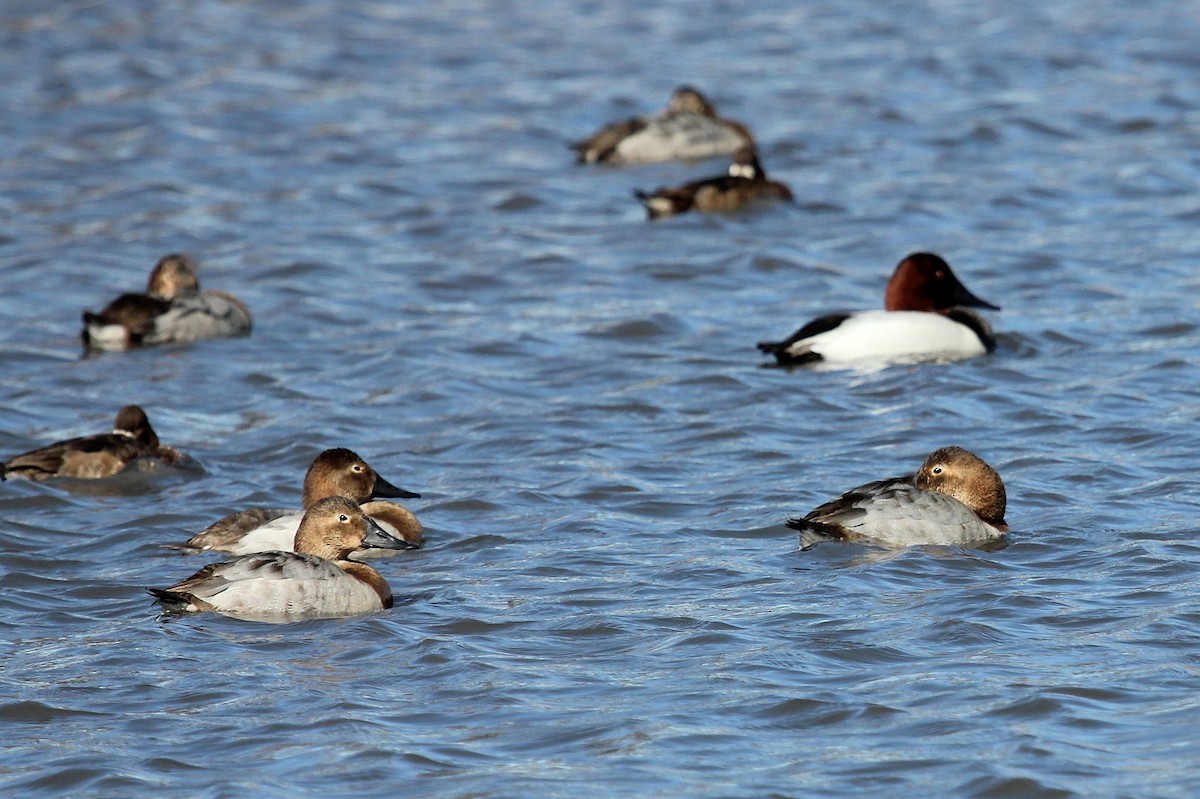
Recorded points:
(172, 310)
(745, 183)
(954, 498)
(97, 456)
(688, 129)
(924, 319)
(335, 472)
(314, 581)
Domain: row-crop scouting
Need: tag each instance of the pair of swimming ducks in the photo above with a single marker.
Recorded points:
(687, 129)
(293, 564)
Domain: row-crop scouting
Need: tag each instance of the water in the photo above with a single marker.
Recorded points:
(609, 603)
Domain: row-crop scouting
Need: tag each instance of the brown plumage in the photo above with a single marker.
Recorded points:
(744, 184)
(172, 275)
(96, 456)
(334, 472)
(957, 473)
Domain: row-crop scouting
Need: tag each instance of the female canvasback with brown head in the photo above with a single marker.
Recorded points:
(954, 498)
(172, 276)
(687, 129)
(172, 310)
(317, 580)
(925, 317)
(335, 472)
(745, 184)
(95, 456)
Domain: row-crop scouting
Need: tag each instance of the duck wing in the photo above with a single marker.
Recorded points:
(95, 456)
(601, 145)
(224, 535)
(192, 317)
(782, 349)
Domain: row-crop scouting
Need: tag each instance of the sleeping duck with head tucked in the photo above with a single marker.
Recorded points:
(172, 310)
(315, 581)
(954, 499)
(687, 129)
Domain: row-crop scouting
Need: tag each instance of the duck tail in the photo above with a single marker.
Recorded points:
(785, 358)
(185, 547)
(813, 533)
(172, 600)
(771, 347)
(657, 206)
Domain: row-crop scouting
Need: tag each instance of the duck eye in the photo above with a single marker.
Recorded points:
(939, 274)
(356, 467)
(936, 470)
(343, 518)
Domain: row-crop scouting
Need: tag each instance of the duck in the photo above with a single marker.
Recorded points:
(334, 472)
(744, 184)
(315, 580)
(688, 129)
(172, 310)
(924, 319)
(955, 498)
(97, 456)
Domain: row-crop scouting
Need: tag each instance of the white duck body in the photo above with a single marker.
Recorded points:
(891, 336)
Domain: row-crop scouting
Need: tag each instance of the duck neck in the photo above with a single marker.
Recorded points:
(364, 573)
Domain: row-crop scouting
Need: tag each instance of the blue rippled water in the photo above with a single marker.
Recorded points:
(608, 603)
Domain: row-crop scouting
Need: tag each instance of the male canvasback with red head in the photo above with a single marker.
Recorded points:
(955, 498)
(687, 129)
(172, 310)
(317, 580)
(335, 472)
(96, 456)
(925, 318)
